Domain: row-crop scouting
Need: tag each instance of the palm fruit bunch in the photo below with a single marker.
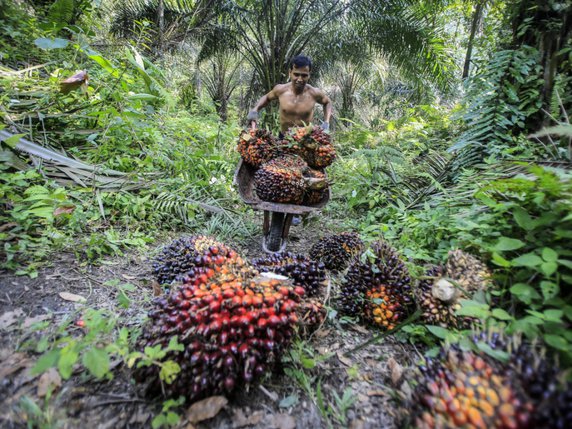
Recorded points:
(377, 291)
(309, 274)
(257, 146)
(312, 143)
(440, 291)
(314, 196)
(337, 250)
(312, 314)
(185, 254)
(233, 327)
(469, 390)
(279, 181)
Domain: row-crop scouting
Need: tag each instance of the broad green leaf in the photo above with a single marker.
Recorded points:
(566, 263)
(169, 371)
(500, 261)
(13, 140)
(527, 260)
(549, 290)
(46, 361)
(505, 244)
(523, 219)
(496, 354)
(96, 360)
(557, 342)
(68, 358)
(501, 314)
(553, 315)
(549, 255)
(438, 331)
(524, 292)
(47, 44)
(473, 308)
(548, 268)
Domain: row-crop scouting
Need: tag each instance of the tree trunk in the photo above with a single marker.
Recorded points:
(161, 25)
(477, 15)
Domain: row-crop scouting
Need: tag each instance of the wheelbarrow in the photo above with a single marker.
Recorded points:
(277, 216)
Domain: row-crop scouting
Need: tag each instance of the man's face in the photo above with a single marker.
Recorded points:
(300, 76)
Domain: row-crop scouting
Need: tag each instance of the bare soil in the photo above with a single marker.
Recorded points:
(371, 373)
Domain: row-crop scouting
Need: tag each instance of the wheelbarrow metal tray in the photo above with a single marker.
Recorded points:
(244, 178)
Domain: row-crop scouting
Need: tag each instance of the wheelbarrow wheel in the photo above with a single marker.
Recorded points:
(274, 241)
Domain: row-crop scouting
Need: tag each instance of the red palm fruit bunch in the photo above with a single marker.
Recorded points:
(378, 289)
(466, 389)
(179, 258)
(312, 143)
(309, 274)
(440, 291)
(233, 327)
(257, 146)
(280, 181)
(336, 251)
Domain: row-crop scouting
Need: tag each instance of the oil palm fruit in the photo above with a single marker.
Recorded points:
(312, 144)
(314, 196)
(233, 327)
(257, 146)
(309, 274)
(464, 389)
(184, 254)
(337, 250)
(440, 291)
(280, 182)
(378, 289)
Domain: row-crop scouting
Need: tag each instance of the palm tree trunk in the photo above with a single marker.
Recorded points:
(474, 24)
(161, 25)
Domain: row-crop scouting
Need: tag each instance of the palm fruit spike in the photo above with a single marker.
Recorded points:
(465, 389)
(233, 329)
(312, 314)
(304, 272)
(441, 290)
(336, 251)
(379, 291)
(184, 254)
(313, 144)
(279, 181)
(256, 146)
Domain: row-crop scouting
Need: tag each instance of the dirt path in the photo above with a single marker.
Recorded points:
(280, 402)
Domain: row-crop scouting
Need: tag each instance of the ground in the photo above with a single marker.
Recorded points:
(368, 376)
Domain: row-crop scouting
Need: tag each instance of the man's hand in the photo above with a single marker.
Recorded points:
(252, 118)
(325, 126)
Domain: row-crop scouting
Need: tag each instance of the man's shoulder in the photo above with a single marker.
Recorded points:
(281, 88)
(315, 92)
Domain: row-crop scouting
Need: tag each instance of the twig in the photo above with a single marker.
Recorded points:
(118, 401)
(381, 336)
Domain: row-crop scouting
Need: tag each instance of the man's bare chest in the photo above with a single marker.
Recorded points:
(297, 104)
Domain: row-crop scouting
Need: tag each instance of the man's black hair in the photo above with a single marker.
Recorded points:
(300, 61)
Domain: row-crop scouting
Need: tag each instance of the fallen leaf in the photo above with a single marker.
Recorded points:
(11, 317)
(396, 371)
(239, 419)
(359, 329)
(49, 381)
(206, 409)
(63, 210)
(13, 364)
(376, 393)
(345, 360)
(157, 289)
(284, 421)
(31, 320)
(8, 225)
(72, 297)
(128, 277)
(322, 333)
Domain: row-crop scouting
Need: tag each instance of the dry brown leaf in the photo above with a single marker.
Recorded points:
(128, 277)
(10, 318)
(396, 371)
(8, 225)
(157, 289)
(345, 360)
(206, 409)
(72, 297)
(13, 364)
(31, 320)
(64, 210)
(359, 329)
(49, 379)
(322, 333)
(376, 393)
(239, 419)
(284, 421)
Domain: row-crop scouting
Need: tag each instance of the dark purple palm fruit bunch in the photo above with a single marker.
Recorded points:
(462, 388)
(257, 146)
(233, 325)
(338, 250)
(305, 272)
(179, 258)
(280, 181)
(440, 291)
(377, 289)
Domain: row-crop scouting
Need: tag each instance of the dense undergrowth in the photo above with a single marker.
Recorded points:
(438, 178)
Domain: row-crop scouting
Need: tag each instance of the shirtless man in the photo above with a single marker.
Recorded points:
(296, 98)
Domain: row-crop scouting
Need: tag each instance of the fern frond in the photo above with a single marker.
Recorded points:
(61, 11)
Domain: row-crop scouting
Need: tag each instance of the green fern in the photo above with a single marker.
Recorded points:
(62, 11)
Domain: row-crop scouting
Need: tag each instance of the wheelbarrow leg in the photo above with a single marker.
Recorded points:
(275, 240)
(266, 223)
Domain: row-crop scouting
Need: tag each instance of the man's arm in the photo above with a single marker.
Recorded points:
(261, 104)
(326, 103)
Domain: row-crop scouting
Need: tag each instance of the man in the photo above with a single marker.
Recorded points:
(296, 98)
